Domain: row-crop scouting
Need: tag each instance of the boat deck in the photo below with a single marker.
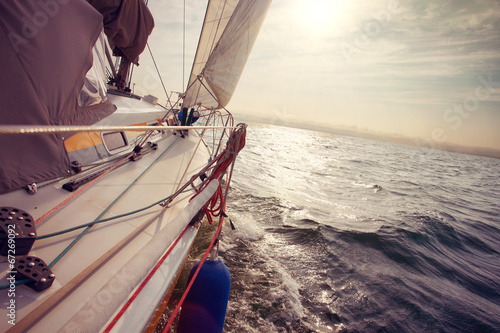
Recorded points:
(125, 189)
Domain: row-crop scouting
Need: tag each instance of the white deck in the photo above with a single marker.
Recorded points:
(157, 183)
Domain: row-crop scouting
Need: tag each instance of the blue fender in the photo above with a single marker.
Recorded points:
(204, 309)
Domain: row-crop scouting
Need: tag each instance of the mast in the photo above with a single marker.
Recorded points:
(127, 24)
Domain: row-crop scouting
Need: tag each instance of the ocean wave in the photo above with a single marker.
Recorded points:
(264, 298)
(299, 236)
(365, 237)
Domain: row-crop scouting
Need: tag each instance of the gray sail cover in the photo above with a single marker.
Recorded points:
(45, 51)
(127, 24)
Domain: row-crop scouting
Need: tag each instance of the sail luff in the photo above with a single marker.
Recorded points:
(214, 77)
(226, 63)
(217, 15)
(210, 27)
(195, 62)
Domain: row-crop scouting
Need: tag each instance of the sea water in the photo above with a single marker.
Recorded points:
(343, 234)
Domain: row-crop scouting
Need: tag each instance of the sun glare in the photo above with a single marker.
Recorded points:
(319, 16)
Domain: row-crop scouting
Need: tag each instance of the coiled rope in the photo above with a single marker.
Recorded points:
(235, 143)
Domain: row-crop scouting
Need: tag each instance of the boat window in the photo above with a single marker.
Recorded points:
(114, 140)
(94, 87)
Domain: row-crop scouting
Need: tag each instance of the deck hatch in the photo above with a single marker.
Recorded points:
(115, 141)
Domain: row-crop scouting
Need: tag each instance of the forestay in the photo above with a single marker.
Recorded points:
(228, 34)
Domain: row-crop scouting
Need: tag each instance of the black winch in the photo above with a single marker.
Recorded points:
(39, 275)
(17, 231)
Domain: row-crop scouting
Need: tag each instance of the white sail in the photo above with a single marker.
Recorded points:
(228, 35)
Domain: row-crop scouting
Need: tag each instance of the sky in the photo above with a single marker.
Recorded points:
(422, 69)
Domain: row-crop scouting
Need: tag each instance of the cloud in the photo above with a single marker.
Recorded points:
(380, 64)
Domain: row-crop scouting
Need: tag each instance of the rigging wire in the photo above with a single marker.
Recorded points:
(184, 45)
(83, 188)
(86, 230)
(232, 152)
(62, 232)
(159, 75)
(49, 129)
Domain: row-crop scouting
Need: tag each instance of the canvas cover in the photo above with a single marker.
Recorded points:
(45, 51)
(228, 35)
(127, 24)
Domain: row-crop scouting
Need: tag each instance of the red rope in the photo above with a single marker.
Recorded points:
(227, 157)
(56, 208)
(146, 280)
(224, 160)
(210, 209)
(157, 266)
(178, 307)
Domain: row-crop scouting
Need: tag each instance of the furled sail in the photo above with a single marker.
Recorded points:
(127, 24)
(228, 34)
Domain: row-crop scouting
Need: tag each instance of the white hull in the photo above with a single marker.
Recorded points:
(99, 292)
(58, 76)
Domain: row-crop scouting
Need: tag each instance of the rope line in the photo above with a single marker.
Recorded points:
(61, 232)
(179, 305)
(79, 191)
(84, 232)
(146, 280)
(234, 145)
(40, 129)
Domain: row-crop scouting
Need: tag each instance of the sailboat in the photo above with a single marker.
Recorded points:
(101, 190)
